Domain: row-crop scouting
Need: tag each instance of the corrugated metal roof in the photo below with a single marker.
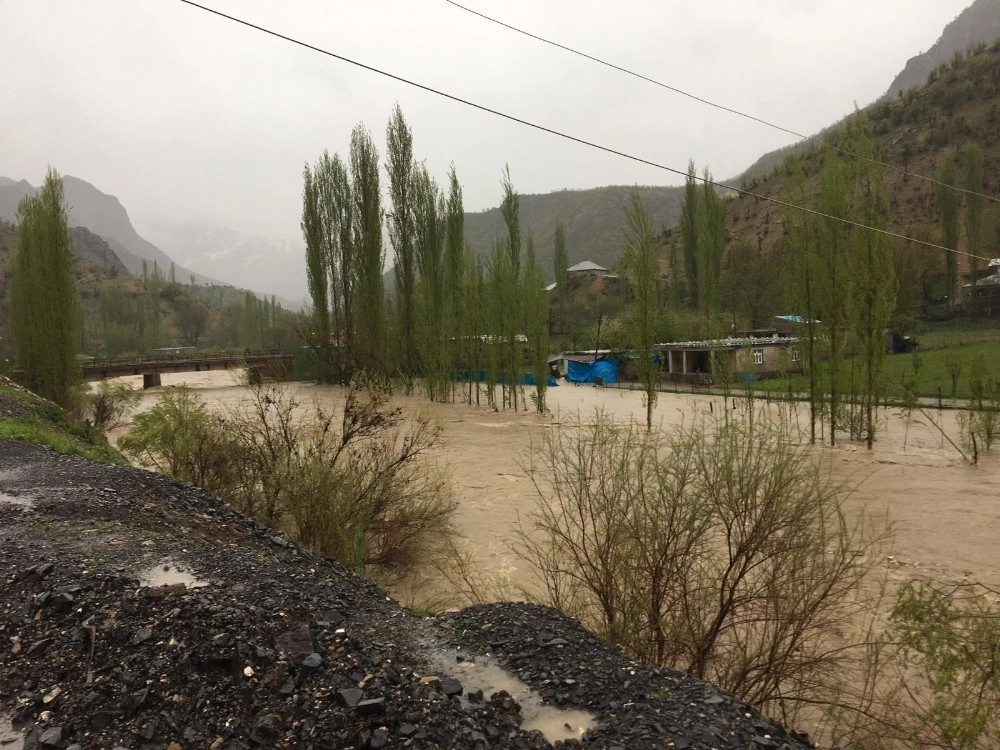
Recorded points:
(586, 265)
(732, 343)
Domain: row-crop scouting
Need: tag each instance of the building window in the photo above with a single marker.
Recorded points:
(758, 356)
(796, 355)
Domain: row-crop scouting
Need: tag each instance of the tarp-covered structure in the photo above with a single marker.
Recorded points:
(594, 371)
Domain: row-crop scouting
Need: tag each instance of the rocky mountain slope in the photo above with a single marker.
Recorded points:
(977, 24)
(101, 214)
(136, 611)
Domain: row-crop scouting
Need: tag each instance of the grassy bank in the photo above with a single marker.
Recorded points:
(25, 416)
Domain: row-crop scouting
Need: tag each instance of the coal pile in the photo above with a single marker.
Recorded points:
(139, 612)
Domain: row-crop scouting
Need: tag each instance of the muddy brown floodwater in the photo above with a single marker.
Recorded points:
(945, 512)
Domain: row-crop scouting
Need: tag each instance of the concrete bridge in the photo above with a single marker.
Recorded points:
(259, 365)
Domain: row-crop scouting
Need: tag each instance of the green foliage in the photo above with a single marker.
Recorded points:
(949, 636)
(43, 296)
(36, 420)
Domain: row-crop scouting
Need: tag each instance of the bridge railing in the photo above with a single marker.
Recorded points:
(180, 358)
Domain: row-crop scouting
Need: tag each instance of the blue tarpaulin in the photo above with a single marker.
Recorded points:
(589, 372)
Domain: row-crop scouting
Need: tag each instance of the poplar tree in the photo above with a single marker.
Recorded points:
(641, 258)
(429, 244)
(949, 209)
(510, 276)
(317, 270)
(689, 233)
(43, 296)
(874, 275)
(536, 323)
(455, 267)
(369, 335)
(560, 262)
(807, 273)
(400, 168)
(972, 167)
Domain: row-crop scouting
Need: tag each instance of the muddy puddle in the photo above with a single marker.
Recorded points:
(168, 573)
(482, 673)
(10, 738)
(19, 501)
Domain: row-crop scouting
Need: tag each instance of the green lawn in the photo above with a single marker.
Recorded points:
(969, 341)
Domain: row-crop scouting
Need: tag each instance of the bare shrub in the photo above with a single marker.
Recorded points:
(355, 488)
(721, 549)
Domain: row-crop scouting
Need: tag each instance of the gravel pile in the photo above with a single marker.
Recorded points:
(139, 612)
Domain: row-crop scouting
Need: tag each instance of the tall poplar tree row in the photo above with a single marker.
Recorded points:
(43, 298)
(703, 236)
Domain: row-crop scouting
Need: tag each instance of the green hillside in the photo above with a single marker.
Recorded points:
(916, 132)
(593, 219)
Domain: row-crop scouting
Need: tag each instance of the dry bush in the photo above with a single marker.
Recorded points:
(357, 488)
(721, 549)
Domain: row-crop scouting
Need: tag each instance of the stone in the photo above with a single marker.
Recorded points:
(350, 697)
(450, 686)
(296, 641)
(51, 737)
(371, 707)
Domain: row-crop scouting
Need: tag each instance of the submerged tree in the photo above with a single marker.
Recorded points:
(400, 168)
(43, 296)
(641, 258)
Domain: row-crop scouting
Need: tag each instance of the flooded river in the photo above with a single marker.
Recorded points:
(945, 512)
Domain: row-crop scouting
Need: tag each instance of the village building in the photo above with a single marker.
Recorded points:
(737, 359)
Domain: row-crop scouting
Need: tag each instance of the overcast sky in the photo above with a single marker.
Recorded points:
(184, 115)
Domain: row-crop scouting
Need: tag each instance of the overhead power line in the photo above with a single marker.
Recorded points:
(709, 103)
(566, 136)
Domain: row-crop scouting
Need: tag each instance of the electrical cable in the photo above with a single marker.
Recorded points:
(566, 136)
(707, 102)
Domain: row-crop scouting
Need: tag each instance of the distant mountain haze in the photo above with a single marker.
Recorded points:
(246, 261)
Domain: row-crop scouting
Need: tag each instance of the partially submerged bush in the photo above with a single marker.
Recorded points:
(356, 488)
(721, 549)
(108, 404)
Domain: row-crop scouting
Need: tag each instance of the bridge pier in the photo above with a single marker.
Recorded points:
(150, 380)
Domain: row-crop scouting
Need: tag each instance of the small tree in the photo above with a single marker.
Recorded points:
(43, 299)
